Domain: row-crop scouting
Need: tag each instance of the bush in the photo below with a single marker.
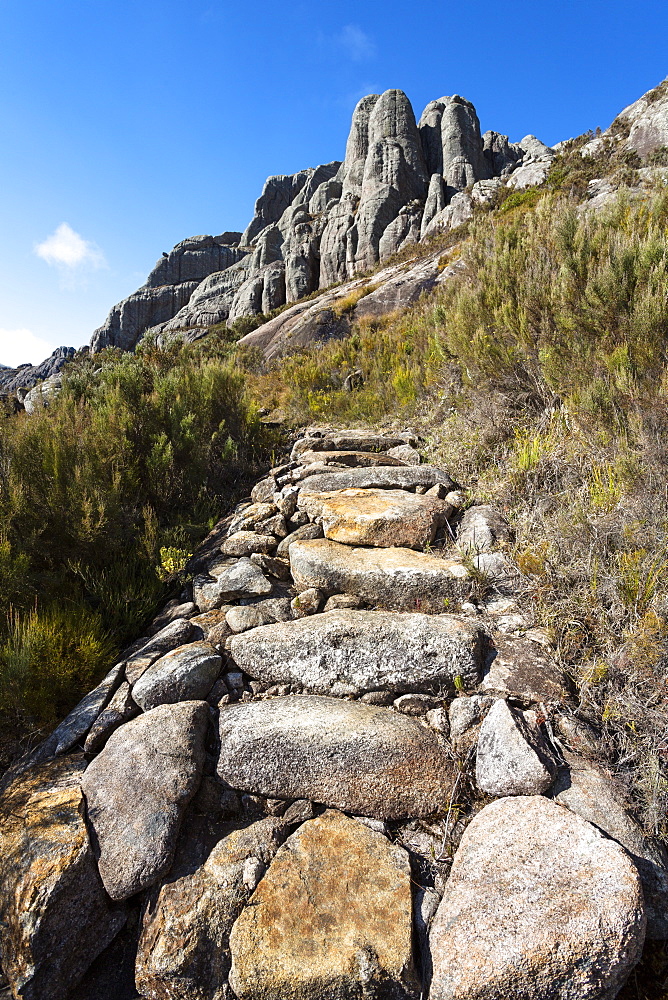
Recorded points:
(101, 495)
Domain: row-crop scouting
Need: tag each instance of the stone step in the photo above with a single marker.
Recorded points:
(348, 441)
(331, 918)
(380, 478)
(381, 518)
(355, 459)
(359, 758)
(393, 578)
(351, 652)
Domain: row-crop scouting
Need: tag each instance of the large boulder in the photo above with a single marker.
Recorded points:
(137, 790)
(331, 918)
(183, 950)
(395, 578)
(380, 518)
(538, 905)
(359, 758)
(350, 652)
(55, 917)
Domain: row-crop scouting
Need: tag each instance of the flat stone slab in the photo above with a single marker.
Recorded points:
(186, 673)
(359, 758)
(393, 578)
(137, 790)
(56, 917)
(346, 441)
(380, 478)
(538, 905)
(381, 518)
(350, 652)
(355, 459)
(331, 918)
(244, 543)
(520, 668)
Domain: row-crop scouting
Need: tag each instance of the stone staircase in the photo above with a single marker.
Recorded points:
(345, 764)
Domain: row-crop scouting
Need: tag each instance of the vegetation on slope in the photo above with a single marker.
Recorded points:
(103, 496)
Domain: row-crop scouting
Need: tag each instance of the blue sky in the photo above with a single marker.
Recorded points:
(128, 126)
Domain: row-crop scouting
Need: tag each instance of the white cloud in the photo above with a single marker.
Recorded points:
(20, 346)
(67, 250)
(357, 45)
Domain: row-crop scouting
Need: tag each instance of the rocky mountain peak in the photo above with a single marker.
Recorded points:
(401, 181)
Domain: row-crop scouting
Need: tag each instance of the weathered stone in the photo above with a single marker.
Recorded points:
(173, 610)
(186, 673)
(211, 620)
(381, 478)
(519, 668)
(77, 724)
(175, 634)
(538, 905)
(263, 613)
(243, 543)
(398, 578)
(437, 718)
(344, 754)
(512, 757)
(55, 917)
(345, 441)
(415, 704)
(482, 528)
(308, 602)
(183, 950)
(168, 288)
(120, 709)
(342, 602)
(450, 134)
(381, 518)
(278, 568)
(263, 491)
(228, 582)
(306, 531)
(274, 525)
(137, 790)
(594, 794)
(465, 713)
(406, 454)
(350, 652)
(331, 918)
(355, 459)
(18, 380)
(249, 514)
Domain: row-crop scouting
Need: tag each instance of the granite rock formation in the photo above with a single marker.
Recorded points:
(328, 224)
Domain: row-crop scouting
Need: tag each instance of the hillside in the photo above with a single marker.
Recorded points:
(351, 532)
